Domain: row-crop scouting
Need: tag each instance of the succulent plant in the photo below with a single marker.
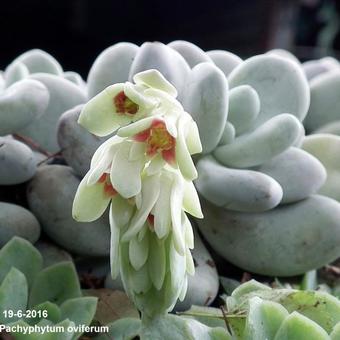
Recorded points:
(255, 311)
(269, 194)
(31, 295)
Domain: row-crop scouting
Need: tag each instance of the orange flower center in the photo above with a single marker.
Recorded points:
(124, 105)
(109, 190)
(159, 138)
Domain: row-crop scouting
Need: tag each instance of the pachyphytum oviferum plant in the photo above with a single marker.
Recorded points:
(269, 194)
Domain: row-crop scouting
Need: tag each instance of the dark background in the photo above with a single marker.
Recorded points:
(76, 31)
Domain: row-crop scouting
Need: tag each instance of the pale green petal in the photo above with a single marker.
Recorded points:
(191, 202)
(138, 200)
(103, 148)
(162, 222)
(137, 151)
(122, 211)
(183, 290)
(99, 115)
(140, 279)
(138, 251)
(188, 232)
(154, 79)
(135, 93)
(90, 202)
(185, 163)
(177, 269)
(189, 262)
(157, 261)
(126, 175)
(170, 123)
(156, 165)
(193, 140)
(103, 165)
(114, 249)
(143, 231)
(168, 104)
(150, 193)
(176, 200)
(137, 127)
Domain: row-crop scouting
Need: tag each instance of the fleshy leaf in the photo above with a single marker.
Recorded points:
(20, 254)
(56, 284)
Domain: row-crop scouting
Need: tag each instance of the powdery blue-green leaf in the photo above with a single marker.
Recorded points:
(53, 313)
(39, 61)
(64, 95)
(192, 54)
(244, 107)
(22, 255)
(206, 99)
(56, 284)
(22, 102)
(155, 55)
(280, 84)
(111, 66)
(267, 141)
(13, 295)
(80, 311)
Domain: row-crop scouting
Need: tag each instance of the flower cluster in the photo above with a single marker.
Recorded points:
(144, 173)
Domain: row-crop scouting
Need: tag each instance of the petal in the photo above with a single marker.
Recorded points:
(140, 279)
(191, 202)
(138, 200)
(122, 211)
(114, 249)
(167, 103)
(135, 93)
(193, 140)
(162, 213)
(126, 175)
(143, 231)
(150, 193)
(190, 266)
(170, 123)
(156, 165)
(99, 115)
(138, 251)
(90, 202)
(188, 231)
(137, 151)
(155, 79)
(176, 200)
(177, 268)
(137, 127)
(103, 149)
(184, 289)
(157, 261)
(185, 163)
(103, 165)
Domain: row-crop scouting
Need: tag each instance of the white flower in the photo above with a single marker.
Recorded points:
(144, 174)
(123, 103)
(169, 140)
